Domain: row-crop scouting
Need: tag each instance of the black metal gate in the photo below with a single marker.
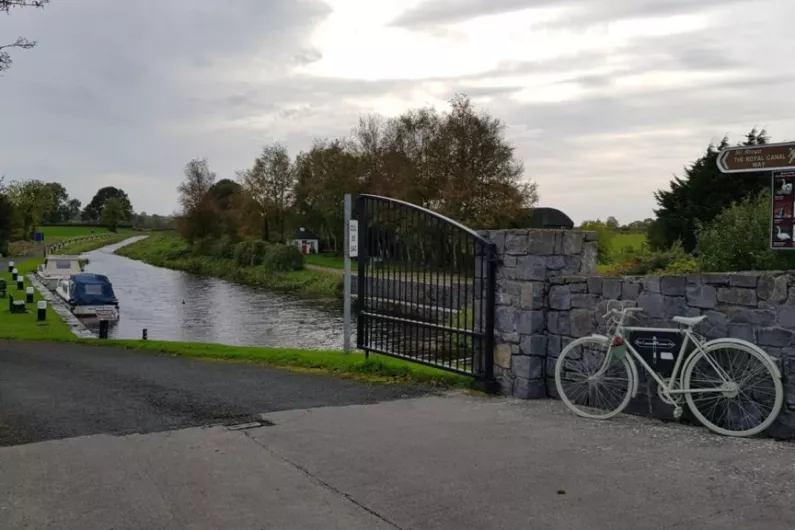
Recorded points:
(425, 288)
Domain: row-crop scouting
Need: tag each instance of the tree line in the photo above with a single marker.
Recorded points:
(27, 205)
(457, 162)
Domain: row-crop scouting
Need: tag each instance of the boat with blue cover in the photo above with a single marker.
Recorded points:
(89, 295)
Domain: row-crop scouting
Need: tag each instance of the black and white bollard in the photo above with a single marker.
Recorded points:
(29, 295)
(10, 266)
(103, 329)
(145, 334)
(14, 274)
(42, 311)
(20, 283)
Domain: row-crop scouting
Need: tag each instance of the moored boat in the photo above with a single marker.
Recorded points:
(89, 295)
(57, 267)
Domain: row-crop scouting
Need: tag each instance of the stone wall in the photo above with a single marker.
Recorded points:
(548, 294)
(527, 261)
(757, 307)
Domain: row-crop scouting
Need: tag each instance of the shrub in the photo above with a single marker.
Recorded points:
(243, 253)
(224, 247)
(637, 262)
(203, 246)
(738, 239)
(259, 249)
(605, 241)
(283, 258)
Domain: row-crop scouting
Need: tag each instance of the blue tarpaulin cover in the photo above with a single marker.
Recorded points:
(91, 289)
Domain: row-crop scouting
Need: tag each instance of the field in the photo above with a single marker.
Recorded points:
(620, 241)
(54, 233)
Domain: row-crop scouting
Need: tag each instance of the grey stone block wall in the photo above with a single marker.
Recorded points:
(757, 307)
(527, 261)
(548, 294)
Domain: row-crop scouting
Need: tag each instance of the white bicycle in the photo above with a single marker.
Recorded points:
(732, 386)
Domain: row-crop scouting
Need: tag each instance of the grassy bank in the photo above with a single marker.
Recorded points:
(25, 326)
(170, 251)
(93, 244)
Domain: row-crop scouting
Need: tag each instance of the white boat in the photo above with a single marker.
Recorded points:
(57, 267)
(89, 295)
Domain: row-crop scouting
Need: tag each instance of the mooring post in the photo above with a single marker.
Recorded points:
(103, 329)
(145, 334)
(14, 274)
(20, 283)
(10, 266)
(29, 295)
(42, 311)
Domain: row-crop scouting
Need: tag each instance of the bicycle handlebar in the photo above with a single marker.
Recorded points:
(623, 310)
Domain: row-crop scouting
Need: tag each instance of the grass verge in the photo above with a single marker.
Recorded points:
(377, 368)
(87, 246)
(171, 252)
(25, 326)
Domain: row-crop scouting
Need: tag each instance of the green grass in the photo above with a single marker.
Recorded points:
(25, 326)
(354, 365)
(332, 262)
(87, 246)
(56, 233)
(621, 241)
(170, 251)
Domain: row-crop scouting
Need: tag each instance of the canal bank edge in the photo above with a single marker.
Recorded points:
(171, 252)
(377, 369)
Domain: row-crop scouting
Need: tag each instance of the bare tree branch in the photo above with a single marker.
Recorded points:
(21, 42)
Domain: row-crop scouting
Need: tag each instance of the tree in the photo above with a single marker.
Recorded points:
(738, 239)
(200, 217)
(269, 187)
(228, 198)
(7, 215)
(32, 199)
(21, 42)
(58, 199)
(324, 175)
(112, 213)
(93, 211)
(701, 195)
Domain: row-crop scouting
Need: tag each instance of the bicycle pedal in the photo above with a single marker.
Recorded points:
(677, 413)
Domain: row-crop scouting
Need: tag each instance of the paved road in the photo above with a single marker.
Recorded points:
(449, 462)
(53, 391)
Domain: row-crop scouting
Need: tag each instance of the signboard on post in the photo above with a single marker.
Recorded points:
(353, 238)
(779, 160)
(783, 205)
(755, 158)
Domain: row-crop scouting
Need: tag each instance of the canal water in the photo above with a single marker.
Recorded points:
(179, 306)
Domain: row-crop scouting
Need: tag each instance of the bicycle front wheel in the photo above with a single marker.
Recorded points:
(586, 385)
(753, 394)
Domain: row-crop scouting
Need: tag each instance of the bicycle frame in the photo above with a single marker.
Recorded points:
(680, 361)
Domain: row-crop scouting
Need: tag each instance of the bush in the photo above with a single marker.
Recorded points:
(283, 258)
(637, 262)
(259, 249)
(738, 239)
(605, 241)
(224, 247)
(250, 253)
(203, 246)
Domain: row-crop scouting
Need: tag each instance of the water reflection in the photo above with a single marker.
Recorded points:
(174, 305)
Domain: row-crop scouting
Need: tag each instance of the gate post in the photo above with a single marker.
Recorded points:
(360, 213)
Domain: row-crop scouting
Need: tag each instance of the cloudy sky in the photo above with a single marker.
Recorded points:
(603, 99)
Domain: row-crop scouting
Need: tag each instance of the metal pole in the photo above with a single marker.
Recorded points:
(347, 281)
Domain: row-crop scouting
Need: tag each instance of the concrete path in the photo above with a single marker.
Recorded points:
(450, 462)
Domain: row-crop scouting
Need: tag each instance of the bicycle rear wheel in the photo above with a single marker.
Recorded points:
(752, 403)
(583, 388)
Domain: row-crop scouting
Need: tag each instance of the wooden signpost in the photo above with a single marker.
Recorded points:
(779, 160)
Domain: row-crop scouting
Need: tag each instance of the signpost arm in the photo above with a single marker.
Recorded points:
(347, 281)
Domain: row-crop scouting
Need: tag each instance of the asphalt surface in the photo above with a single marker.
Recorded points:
(55, 391)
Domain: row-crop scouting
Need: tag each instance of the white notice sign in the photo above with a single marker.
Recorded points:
(353, 238)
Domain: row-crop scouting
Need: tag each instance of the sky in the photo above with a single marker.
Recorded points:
(605, 101)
